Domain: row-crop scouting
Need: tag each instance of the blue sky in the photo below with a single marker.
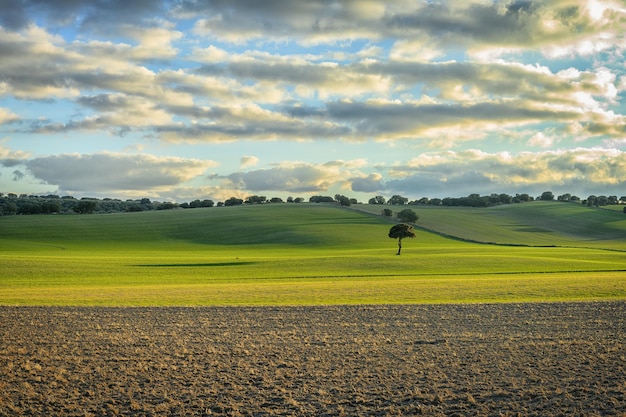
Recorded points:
(178, 100)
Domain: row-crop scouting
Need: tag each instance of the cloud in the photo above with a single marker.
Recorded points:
(398, 77)
(561, 25)
(113, 172)
(89, 15)
(594, 170)
(10, 158)
(371, 183)
(18, 175)
(248, 161)
(254, 94)
(294, 177)
(7, 116)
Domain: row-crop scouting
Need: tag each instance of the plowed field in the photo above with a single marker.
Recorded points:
(438, 360)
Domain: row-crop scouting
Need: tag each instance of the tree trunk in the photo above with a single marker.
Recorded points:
(399, 245)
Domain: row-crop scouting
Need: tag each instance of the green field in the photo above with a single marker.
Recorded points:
(303, 254)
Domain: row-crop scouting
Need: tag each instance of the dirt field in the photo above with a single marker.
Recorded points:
(445, 360)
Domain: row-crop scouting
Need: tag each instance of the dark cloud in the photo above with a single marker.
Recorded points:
(104, 102)
(13, 14)
(263, 129)
(18, 175)
(298, 178)
(370, 184)
(487, 21)
(393, 118)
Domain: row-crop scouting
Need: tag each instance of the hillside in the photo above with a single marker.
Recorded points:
(534, 224)
(320, 225)
(276, 224)
(285, 254)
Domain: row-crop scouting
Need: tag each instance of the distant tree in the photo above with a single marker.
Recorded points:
(29, 208)
(435, 202)
(387, 212)
(408, 215)
(256, 199)
(50, 206)
(290, 199)
(7, 206)
(398, 200)
(321, 199)
(198, 203)
(547, 196)
(591, 201)
(520, 198)
(400, 231)
(342, 200)
(233, 201)
(166, 206)
(86, 206)
(276, 200)
(379, 199)
(298, 200)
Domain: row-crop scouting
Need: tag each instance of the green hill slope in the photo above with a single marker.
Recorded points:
(312, 226)
(534, 224)
(307, 254)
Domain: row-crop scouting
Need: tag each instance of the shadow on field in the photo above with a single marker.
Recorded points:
(208, 264)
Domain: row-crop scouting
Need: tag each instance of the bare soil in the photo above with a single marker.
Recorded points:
(559, 359)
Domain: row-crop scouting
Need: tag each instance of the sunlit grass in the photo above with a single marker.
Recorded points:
(288, 255)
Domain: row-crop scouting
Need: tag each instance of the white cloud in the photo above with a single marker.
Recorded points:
(7, 116)
(541, 140)
(382, 80)
(451, 174)
(115, 172)
(11, 158)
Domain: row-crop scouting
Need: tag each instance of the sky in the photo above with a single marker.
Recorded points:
(183, 100)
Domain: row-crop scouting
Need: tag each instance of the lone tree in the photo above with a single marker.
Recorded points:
(400, 231)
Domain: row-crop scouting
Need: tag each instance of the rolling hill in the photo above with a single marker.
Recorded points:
(277, 254)
(534, 224)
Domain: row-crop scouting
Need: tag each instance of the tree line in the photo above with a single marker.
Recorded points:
(476, 200)
(11, 204)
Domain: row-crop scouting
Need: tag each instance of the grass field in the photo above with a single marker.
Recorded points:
(291, 254)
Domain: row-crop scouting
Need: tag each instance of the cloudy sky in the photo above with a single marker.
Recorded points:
(178, 100)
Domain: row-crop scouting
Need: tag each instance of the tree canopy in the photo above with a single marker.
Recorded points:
(408, 215)
(400, 231)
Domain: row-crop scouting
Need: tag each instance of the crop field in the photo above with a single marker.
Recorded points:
(305, 310)
(312, 255)
(530, 359)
